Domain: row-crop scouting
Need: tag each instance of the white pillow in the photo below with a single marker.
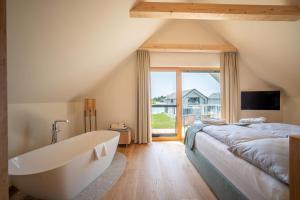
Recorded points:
(253, 120)
(212, 121)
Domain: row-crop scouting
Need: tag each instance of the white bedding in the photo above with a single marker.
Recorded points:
(251, 181)
(278, 129)
(232, 134)
(270, 155)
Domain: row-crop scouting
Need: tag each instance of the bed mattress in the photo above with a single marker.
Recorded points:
(251, 181)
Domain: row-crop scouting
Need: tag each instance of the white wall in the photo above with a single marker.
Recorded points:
(29, 125)
(186, 32)
(250, 82)
(117, 95)
(291, 110)
(184, 59)
(57, 50)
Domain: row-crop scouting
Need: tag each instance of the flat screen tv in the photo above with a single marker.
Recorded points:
(260, 100)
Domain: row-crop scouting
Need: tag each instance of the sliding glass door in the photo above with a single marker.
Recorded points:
(180, 98)
(164, 104)
(200, 97)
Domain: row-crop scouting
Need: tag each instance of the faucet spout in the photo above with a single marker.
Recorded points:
(56, 130)
(62, 121)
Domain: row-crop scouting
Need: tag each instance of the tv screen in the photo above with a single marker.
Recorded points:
(260, 100)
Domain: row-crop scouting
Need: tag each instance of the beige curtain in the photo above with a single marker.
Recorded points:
(229, 87)
(143, 133)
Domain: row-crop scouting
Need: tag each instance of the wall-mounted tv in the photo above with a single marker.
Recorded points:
(260, 100)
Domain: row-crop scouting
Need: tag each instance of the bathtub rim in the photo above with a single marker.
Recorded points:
(62, 163)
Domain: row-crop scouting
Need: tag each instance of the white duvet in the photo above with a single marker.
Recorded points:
(271, 155)
(278, 129)
(232, 134)
(253, 182)
(263, 145)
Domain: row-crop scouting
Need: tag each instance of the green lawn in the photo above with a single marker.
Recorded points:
(162, 120)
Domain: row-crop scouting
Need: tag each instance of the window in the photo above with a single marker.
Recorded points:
(204, 100)
(194, 100)
(181, 97)
(163, 98)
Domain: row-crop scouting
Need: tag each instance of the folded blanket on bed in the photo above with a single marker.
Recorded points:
(227, 134)
(232, 134)
(191, 134)
(271, 155)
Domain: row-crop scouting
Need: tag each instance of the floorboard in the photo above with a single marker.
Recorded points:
(159, 170)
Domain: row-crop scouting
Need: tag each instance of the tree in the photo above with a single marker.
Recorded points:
(159, 99)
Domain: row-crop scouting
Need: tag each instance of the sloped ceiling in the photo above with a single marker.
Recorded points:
(269, 49)
(58, 49)
(186, 32)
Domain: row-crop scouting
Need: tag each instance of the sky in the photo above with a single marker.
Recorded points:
(164, 83)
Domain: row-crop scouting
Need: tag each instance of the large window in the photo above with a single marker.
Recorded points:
(200, 97)
(180, 98)
(163, 98)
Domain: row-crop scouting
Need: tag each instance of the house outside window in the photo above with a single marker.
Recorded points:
(200, 98)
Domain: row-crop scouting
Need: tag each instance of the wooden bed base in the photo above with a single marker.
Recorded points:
(294, 167)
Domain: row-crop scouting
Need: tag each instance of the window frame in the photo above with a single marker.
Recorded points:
(179, 71)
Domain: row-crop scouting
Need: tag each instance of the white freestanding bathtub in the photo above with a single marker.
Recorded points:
(61, 171)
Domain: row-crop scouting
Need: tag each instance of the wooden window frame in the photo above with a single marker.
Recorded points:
(179, 71)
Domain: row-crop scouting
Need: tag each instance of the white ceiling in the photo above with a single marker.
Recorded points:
(270, 49)
(59, 49)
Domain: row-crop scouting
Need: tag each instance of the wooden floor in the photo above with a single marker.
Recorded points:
(159, 170)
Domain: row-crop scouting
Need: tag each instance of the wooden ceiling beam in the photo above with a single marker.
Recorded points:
(188, 48)
(215, 11)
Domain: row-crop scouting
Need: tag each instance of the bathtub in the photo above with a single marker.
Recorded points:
(61, 171)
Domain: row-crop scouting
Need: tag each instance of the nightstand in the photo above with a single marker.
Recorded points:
(125, 136)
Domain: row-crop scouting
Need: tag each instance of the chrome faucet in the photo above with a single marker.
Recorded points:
(56, 130)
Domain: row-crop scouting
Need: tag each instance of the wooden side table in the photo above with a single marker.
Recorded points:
(125, 136)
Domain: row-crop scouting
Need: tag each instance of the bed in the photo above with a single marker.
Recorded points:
(231, 177)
